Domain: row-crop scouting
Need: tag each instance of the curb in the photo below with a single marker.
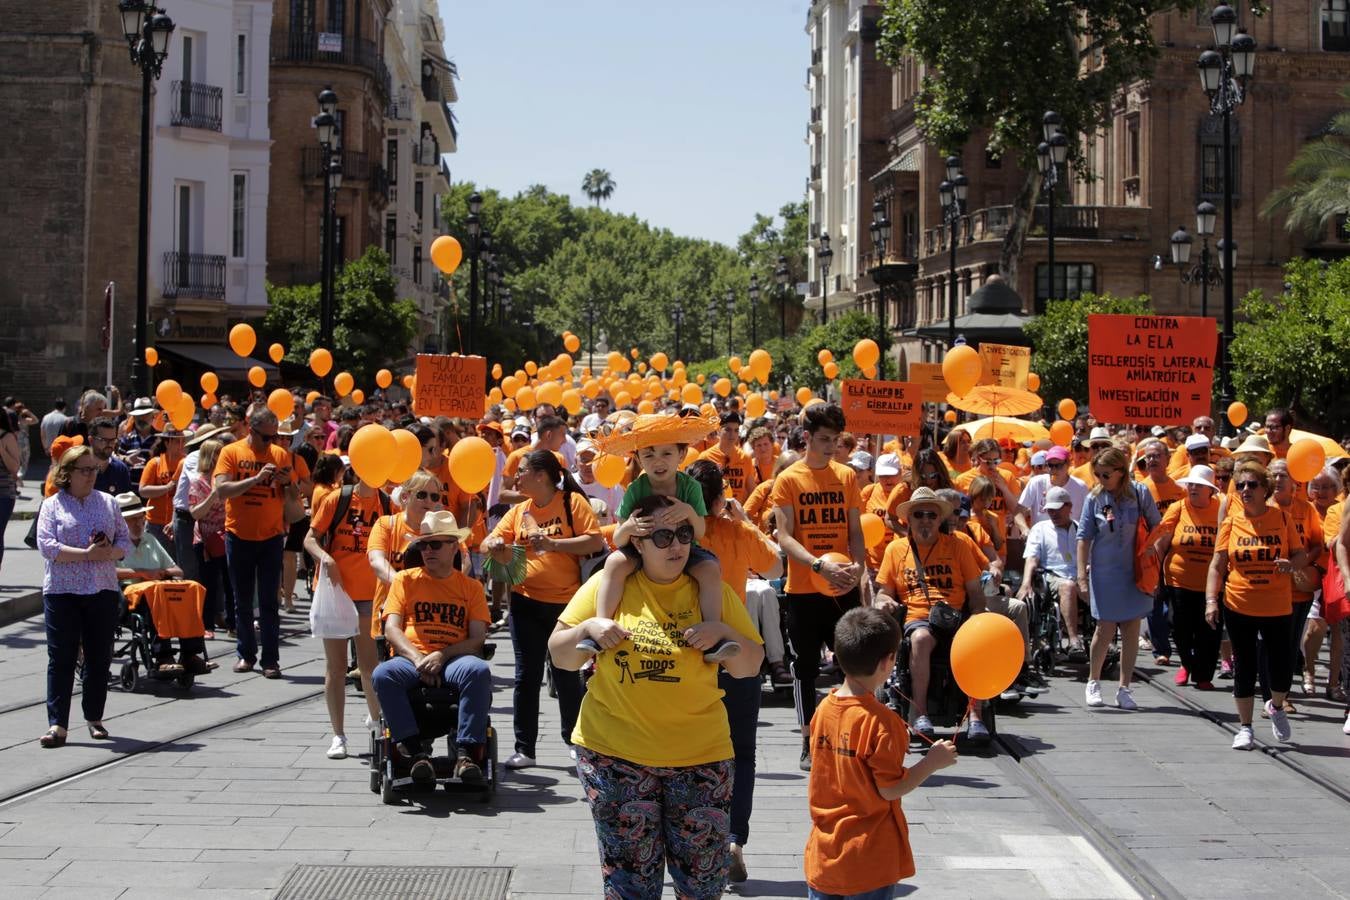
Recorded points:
(16, 609)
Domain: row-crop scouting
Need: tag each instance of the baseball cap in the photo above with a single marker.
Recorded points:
(1158, 431)
(1056, 454)
(1197, 442)
(521, 432)
(1039, 458)
(861, 461)
(586, 445)
(888, 464)
(1057, 497)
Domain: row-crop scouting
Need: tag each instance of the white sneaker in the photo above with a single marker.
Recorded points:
(1244, 738)
(1279, 722)
(1345, 729)
(519, 760)
(1094, 693)
(338, 749)
(371, 724)
(1125, 699)
(572, 752)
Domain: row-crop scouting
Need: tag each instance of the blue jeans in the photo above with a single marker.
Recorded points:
(255, 569)
(1160, 625)
(182, 544)
(532, 622)
(72, 620)
(6, 511)
(885, 893)
(395, 678)
(741, 699)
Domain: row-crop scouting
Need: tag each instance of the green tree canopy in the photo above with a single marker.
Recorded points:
(1290, 350)
(1060, 338)
(371, 327)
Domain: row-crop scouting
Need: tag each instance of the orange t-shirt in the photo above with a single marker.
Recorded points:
(1308, 524)
(157, 473)
(436, 611)
(1084, 474)
(979, 537)
(350, 539)
(390, 535)
(1193, 532)
(738, 470)
(552, 576)
(899, 494)
(258, 513)
(1253, 587)
(513, 461)
(757, 506)
(859, 841)
(321, 491)
(175, 606)
(740, 549)
(1331, 522)
(874, 501)
(1164, 493)
(947, 565)
(819, 501)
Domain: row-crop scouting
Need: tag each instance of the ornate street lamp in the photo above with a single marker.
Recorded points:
(474, 228)
(880, 232)
(330, 136)
(823, 256)
(712, 328)
(677, 316)
(147, 29)
(1224, 75)
(753, 293)
(780, 277)
(952, 194)
(731, 310)
(1050, 154)
(1204, 272)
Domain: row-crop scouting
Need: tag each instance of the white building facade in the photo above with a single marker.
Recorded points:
(209, 170)
(419, 130)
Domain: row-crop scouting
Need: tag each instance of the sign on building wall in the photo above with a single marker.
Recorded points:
(330, 42)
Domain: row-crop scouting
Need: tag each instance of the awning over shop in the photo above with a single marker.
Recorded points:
(218, 359)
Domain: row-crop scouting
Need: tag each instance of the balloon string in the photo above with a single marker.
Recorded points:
(970, 711)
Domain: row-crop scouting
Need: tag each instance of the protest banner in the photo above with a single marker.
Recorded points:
(450, 386)
(928, 376)
(1156, 370)
(1006, 365)
(882, 407)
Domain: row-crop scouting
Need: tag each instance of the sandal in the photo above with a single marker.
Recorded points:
(1162, 660)
(97, 731)
(52, 739)
(1309, 688)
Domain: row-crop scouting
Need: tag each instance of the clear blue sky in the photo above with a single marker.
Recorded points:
(697, 108)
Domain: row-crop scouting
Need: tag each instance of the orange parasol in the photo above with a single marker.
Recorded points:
(996, 400)
(996, 427)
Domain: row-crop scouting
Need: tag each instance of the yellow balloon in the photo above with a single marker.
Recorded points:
(373, 454)
(243, 339)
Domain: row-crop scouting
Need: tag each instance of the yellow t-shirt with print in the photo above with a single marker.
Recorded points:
(653, 700)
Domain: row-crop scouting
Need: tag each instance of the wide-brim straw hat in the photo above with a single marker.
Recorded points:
(1255, 443)
(654, 430)
(1201, 475)
(202, 435)
(439, 523)
(924, 497)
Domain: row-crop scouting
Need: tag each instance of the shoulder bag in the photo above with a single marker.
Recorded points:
(941, 616)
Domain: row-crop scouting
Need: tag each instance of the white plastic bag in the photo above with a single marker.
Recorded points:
(332, 614)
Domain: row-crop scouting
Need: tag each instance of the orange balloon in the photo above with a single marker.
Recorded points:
(735, 364)
(754, 406)
(949, 417)
(525, 398)
(358, 396)
(167, 393)
(646, 407)
(373, 453)
(446, 254)
(407, 456)
(549, 392)
(824, 357)
(209, 400)
(151, 356)
(803, 395)
(961, 369)
(744, 373)
(572, 343)
(633, 353)
(495, 395)
(343, 383)
(873, 529)
(571, 401)
(210, 383)
(531, 368)
(1067, 408)
(276, 352)
(320, 362)
(1305, 458)
(722, 387)
(1033, 382)
(870, 372)
(824, 586)
(472, 463)
(281, 403)
(866, 353)
(409, 381)
(1237, 414)
(243, 339)
(609, 469)
(496, 371)
(257, 376)
(761, 364)
(986, 655)
(701, 378)
(831, 370)
(660, 362)
(383, 379)
(623, 400)
(311, 397)
(691, 393)
(708, 409)
(510, 384)
(1061, 433)
(181, 415)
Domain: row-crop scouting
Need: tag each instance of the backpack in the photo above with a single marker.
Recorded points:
(343, 505)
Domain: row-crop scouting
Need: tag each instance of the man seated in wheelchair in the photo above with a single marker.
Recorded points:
(435, 620)
(1052, 553)
(148, 579)
(933, 576)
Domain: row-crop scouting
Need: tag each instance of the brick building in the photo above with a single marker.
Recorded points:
(317, 44)
(68, 214)
(1158, 156)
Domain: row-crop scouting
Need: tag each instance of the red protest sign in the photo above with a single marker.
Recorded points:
(1157, 370)
(882, 407)
(451, 386)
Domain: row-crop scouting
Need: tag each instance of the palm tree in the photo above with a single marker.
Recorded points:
(598, 185)
(1318, 180)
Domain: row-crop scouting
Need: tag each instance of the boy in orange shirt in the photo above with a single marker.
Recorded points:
(859, 842)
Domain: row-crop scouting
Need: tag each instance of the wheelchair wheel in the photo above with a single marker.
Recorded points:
(387, 794)
(185, 681)
(490, 764)
(376, 762)
(131, 677)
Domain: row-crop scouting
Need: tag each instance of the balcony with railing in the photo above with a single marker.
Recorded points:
(379, 182)
(1080, 222)
(816, 118)
(332, 50)
(356, 165)
(400, 107)
(193, 275)
(196, 105)
(815, 172)
(817, 56)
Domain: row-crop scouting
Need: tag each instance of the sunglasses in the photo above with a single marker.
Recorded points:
(1102, 476)
(923, 514)
(1055, 465)
(664, 537)
(264, 435)
(436, 545)
(1247, 485)
(930, 476)
(992, 460)
(433, 496)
